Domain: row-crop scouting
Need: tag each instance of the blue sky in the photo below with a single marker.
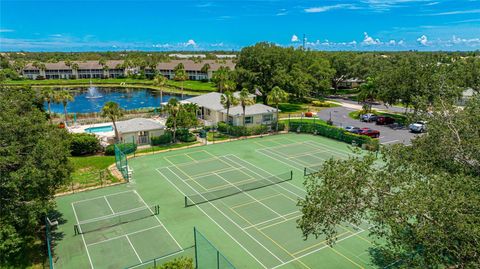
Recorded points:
(70, 25)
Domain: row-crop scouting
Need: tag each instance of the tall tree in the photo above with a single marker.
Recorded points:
(33, 165)
(48, 95)
(423, 200)
(64, 97)
(205, 68)
(75, 67)
(180, 75)
(244, 100)
(368, 93)
(159, 80)
(221, 78)
(173, 108)
(112, 111)
(228, 100)
(276, 96)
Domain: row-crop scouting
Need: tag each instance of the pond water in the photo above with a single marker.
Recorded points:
(88, 100)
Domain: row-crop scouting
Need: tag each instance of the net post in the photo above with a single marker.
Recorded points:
(218, 259)
(154, 263)
(195, 244)
(185, 201)
(291, 174)
(304, 171)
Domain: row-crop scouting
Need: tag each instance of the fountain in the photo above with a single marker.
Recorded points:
(93, 92)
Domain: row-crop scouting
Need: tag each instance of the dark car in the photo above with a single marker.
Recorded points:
(370, 132)
(396, 126)
(383, 120)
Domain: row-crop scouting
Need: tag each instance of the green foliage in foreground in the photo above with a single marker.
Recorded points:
(424, 199)
(84, 144)
(179, 263)
(33, 164)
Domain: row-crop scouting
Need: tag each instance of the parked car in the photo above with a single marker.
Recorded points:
(396, 126)
(352, 129)
(418, 127)
(384, 120)
(368, 117)
(370, 132)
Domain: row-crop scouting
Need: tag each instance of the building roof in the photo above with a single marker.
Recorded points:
(138, 125)
(255, 109)
(211, 100)
(189, 65)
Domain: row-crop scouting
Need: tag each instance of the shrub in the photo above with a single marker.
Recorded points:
(321, 104)
(184, 135)
(166, 138)
(110, 150)
(83, 144)
(334, 133)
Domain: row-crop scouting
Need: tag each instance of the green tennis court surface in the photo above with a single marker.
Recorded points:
(241, 195)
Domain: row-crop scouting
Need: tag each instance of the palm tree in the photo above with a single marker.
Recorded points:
(173, 108)
(159, 80)
(277, 96)
(228, 100)
(64, 97)
(75, 67)
(368, 93)
(221, 78)
(112, 111)
(180, 74)
(48, 95)
(244, 100)
(205, 68)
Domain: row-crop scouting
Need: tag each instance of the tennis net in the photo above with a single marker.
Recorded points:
(205, 197)
(311, 169)
(115, 219)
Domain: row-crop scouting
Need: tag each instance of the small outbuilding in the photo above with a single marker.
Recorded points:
(139, 130)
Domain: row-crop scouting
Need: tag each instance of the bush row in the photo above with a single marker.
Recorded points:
(246, 131)
(164, 139)
(83, 144)
(126, 148)
(334, 133)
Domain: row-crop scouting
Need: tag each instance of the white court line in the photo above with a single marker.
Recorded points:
(256, 200)
(234, 223)
(109, 215)
(266, 221)
(83, 238)
(314, 251)
(100, 197)
(205, 213)
(159, 221)
(134, 250)
(120, 236)
(109, 206)
(328, 148)
(261, 151)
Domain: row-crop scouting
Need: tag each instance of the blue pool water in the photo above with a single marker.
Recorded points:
(127, 99)
(99, 129)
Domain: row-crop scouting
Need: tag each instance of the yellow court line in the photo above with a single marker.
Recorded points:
(181, 171)
(359, 266)
(281, 247)
(315, 245)
(223, 170)
(289, 198)
(187, 154)
(279, 222)
(309, 153)
(208, 153)
(166, 159)
(252, 202)
(358, 235)
(181, 154)
(251, 224)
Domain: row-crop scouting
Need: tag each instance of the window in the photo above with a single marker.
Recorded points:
(248, 120)
(267, 118)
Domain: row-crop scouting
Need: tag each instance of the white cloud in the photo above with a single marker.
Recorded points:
(327, 8)
(464, 41)
(401, 42)
(392, 42)
(457, 12)
(368, 40)
(423, 40)
(294, 38)
(282, 12)
(3, 30)
(190, 42)
(386, 5)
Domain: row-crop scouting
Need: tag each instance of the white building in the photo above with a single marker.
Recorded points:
(139, 130)
(212, 111)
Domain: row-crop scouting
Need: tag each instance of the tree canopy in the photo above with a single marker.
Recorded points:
(33, 164)
(423, 199)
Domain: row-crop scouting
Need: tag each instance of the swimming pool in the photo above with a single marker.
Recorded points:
(99, 129)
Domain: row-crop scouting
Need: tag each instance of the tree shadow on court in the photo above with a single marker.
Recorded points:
(55, 235)
(384, 258)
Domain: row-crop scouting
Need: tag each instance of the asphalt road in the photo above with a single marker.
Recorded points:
(387, 135)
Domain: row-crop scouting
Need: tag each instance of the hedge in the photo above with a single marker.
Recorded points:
(83, 144)
(166, 138)
(334, 133)
(246, 131)
(184, 135)
(126, 148)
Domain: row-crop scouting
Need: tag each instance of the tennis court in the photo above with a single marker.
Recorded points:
(242, 195)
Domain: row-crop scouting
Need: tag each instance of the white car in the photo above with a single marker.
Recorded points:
(352, 129)
(418, 127)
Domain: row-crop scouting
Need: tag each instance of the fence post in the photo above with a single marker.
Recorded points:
(195, 242)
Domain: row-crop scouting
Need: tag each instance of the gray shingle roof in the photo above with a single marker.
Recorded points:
(251, 110)
(138, 125)
(211, 100)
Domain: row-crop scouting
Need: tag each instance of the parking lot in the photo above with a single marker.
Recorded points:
(339, 116)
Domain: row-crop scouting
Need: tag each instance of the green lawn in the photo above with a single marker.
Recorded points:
(90, 171)
(398, 117)
(296, 110)
(216, 136)
(188, 85)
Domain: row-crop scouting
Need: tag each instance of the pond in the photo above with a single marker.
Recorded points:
(88, 100)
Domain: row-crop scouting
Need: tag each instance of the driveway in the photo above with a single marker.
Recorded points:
(339, 116)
